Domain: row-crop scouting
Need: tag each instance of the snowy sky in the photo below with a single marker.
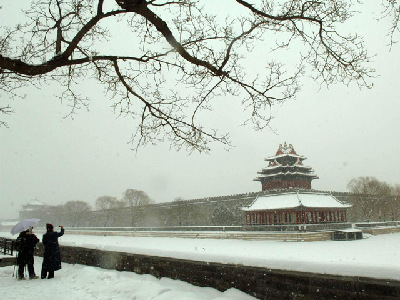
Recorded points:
(345, 132)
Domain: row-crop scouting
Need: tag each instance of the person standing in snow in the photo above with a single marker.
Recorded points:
(26, 243)
(52, 256)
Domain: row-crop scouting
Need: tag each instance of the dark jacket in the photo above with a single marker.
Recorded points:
(26, 243)
(51, 257)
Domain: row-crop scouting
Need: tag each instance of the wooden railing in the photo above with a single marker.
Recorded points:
(7, 246)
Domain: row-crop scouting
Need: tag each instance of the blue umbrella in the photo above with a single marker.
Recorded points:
(24, 225)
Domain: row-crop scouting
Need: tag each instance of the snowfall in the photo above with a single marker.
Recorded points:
(374, 256)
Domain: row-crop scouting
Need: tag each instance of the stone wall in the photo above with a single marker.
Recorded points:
(204, 233)
(381, 230)
(224, 211)
(7, 261)
(262, 283)
(221, 211)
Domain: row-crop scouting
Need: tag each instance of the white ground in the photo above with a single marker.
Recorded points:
(77, 282)
(376, 256)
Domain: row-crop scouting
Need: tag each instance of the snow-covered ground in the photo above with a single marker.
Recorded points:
(77, 282)
(376, 256)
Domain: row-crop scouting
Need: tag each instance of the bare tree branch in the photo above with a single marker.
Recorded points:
(177, 56)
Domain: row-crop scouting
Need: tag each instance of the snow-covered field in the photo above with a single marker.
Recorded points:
(375, 256)
(77, 282)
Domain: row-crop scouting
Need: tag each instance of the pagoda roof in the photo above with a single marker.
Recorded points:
(285, 151)
(35, 202)
(313, 175)
(271, 158)
(295, 200)
(284, 166)
(278, 167)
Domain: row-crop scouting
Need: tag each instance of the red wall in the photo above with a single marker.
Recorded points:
(286, 183)
(281, 217)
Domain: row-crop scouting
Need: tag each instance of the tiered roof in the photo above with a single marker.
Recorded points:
(33, 205)
(286, 162)
(35, 202)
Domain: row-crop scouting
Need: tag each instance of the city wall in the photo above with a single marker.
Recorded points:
(216, 211)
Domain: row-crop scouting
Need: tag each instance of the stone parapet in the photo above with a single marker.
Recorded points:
(242, 235)
(7, 261)
(262, 283)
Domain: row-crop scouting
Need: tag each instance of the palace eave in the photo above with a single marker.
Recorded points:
(281, 174)
(295, 201)
(285, 167)
(272, 158)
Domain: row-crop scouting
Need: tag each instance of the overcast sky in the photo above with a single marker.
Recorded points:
(345, 132)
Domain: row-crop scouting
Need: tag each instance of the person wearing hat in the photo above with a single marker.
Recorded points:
(52, 256)
(26, 243)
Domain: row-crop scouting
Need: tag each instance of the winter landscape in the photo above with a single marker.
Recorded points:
(181, 102)
(374, 256)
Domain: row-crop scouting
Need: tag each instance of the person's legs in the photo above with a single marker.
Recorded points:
(43, 275)
(31, 271)
(51, 275)
(21, 271)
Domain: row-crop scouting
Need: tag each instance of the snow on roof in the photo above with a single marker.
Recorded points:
(285, 155)
(284, 151)
(288, 173)
(35, 202)
(294, 200)
(282, 166)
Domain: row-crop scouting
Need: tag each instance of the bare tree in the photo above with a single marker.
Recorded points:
(396, 202)
(108, 202)
(368, 185)
(373, 199)
(76, 211)
(110, 207)
(392, 9)
(133, 198)
(222, 215)
(179, 55)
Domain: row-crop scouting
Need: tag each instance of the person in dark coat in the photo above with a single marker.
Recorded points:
(26, 243)
(52, 256)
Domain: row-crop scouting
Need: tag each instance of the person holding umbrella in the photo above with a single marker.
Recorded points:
(26, 243)
(52, 256)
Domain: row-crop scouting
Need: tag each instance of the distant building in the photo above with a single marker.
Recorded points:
(286, 170)
(33, 209)
(294, 202)
(296, 208)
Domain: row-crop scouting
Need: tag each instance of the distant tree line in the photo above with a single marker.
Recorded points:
(137, 209)
(131, 198)
(75, 212)
(373, 200)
